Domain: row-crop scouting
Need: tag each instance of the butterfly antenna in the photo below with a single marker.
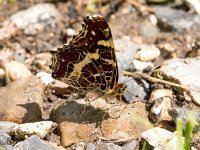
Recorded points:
(52, 51)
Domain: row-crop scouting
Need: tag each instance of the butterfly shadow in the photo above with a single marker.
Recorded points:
(74, 111)
(33, 112)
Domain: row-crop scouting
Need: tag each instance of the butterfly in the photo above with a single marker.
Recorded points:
(88, 63)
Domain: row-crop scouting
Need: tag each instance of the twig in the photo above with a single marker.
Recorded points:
(140, 7)
(147, 77)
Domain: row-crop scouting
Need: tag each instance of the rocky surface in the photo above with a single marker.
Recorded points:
(34, 142)
(24, 101)
(160, 138)
(38, 112)
(178, 20)
(128, 122)
(179, 70)
(75, 127)
(116, 128)
(137, 90)
(4, 138)
(15, 70)
(162, 102)
(36, 18)
(125, 51)
(184, 114)
(23, 131)
(41, 129)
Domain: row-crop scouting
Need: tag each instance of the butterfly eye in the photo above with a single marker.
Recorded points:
(54, 75)
(119, 90)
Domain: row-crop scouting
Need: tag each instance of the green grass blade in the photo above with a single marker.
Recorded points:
(179, 130)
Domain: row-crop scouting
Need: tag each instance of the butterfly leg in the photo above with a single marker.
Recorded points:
(89, 99)
(87, 103)
(106, 111)
(108, 108)
(121, 111)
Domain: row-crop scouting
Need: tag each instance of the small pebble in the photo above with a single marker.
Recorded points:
(15, 70)
(147, 53)
(141, 66)
(70, 32)
(37, 128)
(45, 77)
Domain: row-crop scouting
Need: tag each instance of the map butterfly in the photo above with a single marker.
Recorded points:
(88, 63)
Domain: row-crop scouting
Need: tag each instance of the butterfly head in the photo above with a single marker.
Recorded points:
(119, 90)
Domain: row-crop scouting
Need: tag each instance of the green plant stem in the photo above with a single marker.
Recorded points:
(188, 135)
(188, 131)
(179, 130)
(144, 145)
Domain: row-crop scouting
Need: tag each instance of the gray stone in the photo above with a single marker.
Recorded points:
(109, 146)
(185, 72)
(4, 138)
(136, 89)
(148, 30)
(35, 143)
(125, 51)
(36, 18)
(7, 126)
(184, 113)
(176, 20)
(90, 146)
(9, 147)
(131, 145)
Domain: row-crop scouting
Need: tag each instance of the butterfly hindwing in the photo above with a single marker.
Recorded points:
(88, 63)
